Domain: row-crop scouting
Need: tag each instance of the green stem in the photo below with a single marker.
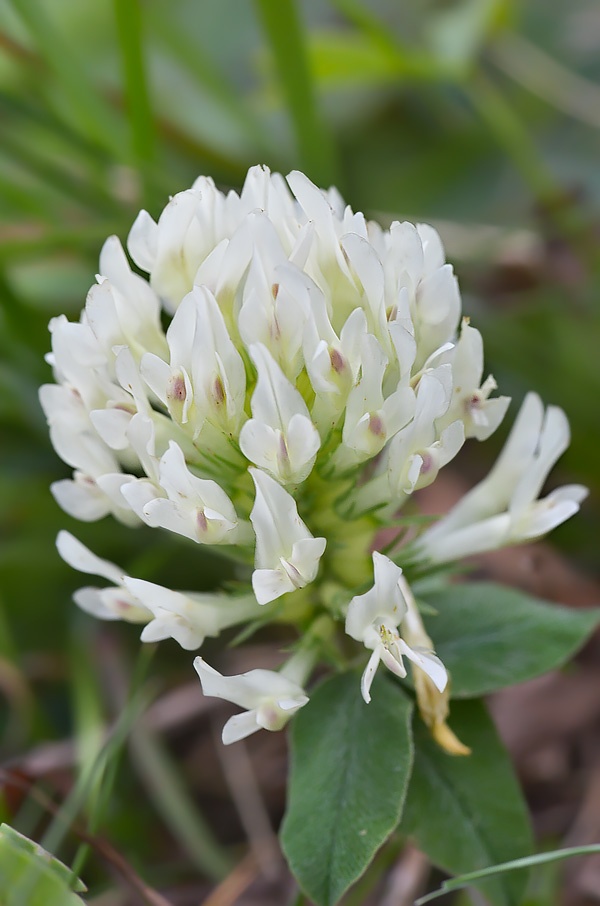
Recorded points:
(511, 134)
(128, 15)
(183, 48)
(506, 126)
(287, 39)
(174, 803)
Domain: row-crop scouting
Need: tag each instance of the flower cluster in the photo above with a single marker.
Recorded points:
(315, 372)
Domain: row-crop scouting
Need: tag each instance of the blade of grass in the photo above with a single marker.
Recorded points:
(80, 191)
(66, 815)
(89, 734)
(18, 201)
(173, 802)
(465, 880)
(40, 130)
(136, 705)
(287, 40)
(542, 75)
(88, 238)
(103, 779)
(90, 111)
(183, 49)
(506, 127)
(128, 16)
(22, 333)
(416, 64)
(31, 110)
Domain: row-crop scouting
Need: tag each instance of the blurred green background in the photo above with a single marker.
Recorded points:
(480, 116)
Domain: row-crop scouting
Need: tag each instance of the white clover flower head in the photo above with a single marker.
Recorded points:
(312, 376)
(269, 698)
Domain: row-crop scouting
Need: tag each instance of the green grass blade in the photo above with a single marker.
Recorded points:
(510, 133)
(287, 40)
(57, 175)
(79, 794)
(173, 802)
(37, 242)
(182, 48)
(410, 62)
(90, 111)
(528, 862)
(128, 16)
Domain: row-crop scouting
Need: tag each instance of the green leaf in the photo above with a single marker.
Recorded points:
(349, 771)
(557, 855)
(489, 636)
(30, 876)
(468, 812)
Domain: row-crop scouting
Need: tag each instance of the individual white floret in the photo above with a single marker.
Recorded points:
(368, 270)
(287, 555)
(469, 402)
(194, 507)
(421, 290)
(111, 422)
(113, 603)
(129, 490)
(83, 498)
(77, 442)
(172, 249)
(122, 309)
(332, 363)
(268, 193)
(504, 508)
(78, 361)
(418, 452)
(280, 437)
(72, 433)
(374, 618)
(370, 419)
(269, 698)
(274, 309)
(191, 616)
(327, 257)
(205, 378)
